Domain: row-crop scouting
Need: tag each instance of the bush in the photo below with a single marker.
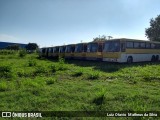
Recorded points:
(61, 60)
(22, 53)
(78, 73)
(6, 71)
(32, 63)
(50, 81)
(93, 75)
(62, 67)
(40, 69)
(53, 68)
(7, 52)
(3, 86)
(100, 96)
(5, 68)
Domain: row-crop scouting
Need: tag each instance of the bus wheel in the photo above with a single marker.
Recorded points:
(130, 59)
(153, 59)
(157, 58)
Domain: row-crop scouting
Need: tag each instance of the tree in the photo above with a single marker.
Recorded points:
(31, 47)
(153, 32)
(13, 47)
(100, 38)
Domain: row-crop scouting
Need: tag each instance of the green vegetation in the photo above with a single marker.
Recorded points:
(32, 84)
(22, 53)
(152, 32)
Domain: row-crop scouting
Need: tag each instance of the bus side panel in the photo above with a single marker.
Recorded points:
(80, 55)
(138, 57)
(94, 56)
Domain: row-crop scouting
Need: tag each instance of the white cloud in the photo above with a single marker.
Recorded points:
(7, 38)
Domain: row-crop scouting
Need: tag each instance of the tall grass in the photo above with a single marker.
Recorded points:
(8, 52)
(3, 86)
(93, 75)
(32, 62)
(42, 84)
(78, 72)
(6, 71)
(22, 53)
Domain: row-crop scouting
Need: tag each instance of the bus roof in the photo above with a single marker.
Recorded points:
(128, 39)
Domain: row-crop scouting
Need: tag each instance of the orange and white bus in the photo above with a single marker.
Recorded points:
(130, 50)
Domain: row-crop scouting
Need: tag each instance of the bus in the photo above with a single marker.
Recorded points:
(43, 52)
(62, 51)
(94, 50)
(80, 51)
(130, 50)
(50, 51)
(69, 51)
(53, 52)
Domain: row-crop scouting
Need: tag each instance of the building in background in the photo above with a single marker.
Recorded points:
(5, 44)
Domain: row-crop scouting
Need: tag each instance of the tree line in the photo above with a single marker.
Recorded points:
(29, 47)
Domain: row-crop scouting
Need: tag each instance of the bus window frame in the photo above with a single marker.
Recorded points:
(124, 46)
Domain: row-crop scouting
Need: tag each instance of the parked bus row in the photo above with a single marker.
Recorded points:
(115, 50)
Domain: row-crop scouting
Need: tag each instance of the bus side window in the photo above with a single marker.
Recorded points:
(153, 45)
(136, 45)
(157, 46)
(129, 45)
(142, 45)
(123, 47)
(148, 45)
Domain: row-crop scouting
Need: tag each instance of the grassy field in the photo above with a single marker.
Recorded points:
(29, 83)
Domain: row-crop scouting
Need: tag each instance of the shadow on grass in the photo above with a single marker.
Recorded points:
(104, 66)
(108, 66)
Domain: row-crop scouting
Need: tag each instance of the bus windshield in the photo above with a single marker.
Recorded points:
(112, 46)
(92, 47)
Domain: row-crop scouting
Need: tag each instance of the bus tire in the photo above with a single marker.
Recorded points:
(157, 57)
(153, 59)
(129, 60)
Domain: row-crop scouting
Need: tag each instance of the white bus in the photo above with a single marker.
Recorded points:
(130, 50)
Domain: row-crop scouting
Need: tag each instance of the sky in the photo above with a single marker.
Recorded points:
(61, 22)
